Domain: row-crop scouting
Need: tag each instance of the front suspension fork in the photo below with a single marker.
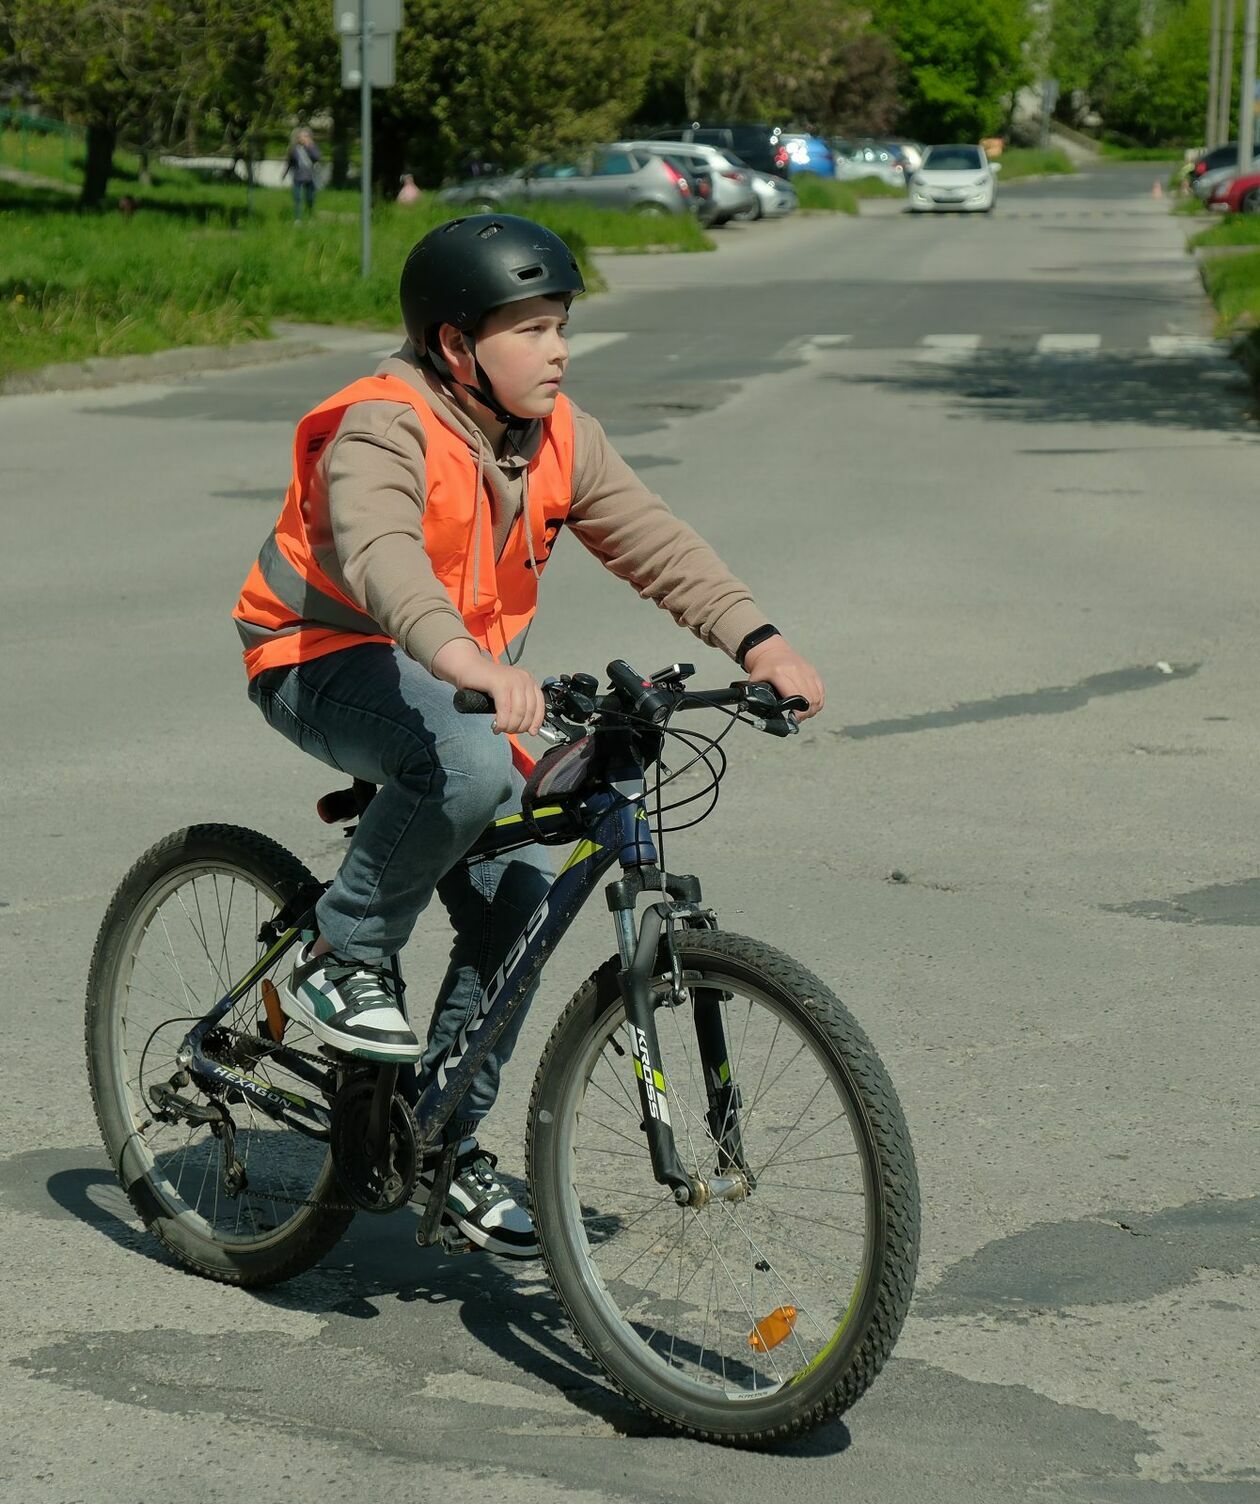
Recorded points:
(731, 1180)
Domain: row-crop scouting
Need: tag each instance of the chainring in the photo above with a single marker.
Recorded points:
(371, 1185)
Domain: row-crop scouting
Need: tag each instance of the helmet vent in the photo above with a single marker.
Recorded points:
(489, 230)
(529, 273)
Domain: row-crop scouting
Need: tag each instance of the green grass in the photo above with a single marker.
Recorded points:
(1233, 284)
(1030, 161)
(1189, 205)
(1233, 229)
(875, 188)
(51, 156)
(826, 194)
(1115, 153)
(190, 267)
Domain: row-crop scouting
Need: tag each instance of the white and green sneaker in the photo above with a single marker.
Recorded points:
(478, 1203)
(351, 1006)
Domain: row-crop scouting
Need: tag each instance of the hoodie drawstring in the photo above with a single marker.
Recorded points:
(529, 544)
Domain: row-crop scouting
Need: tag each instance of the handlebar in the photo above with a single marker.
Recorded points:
(571, 699)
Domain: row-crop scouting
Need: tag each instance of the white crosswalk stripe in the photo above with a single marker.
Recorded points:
(1188, 347)
(948, 349)
(579, 344)
(1074, 345)
(956, 349)
(587, 344)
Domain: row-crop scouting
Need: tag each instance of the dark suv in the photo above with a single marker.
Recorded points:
(760, 146)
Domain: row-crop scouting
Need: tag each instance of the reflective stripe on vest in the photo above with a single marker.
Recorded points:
(309, 604)
(290, 611)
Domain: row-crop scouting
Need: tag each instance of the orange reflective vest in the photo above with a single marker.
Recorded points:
(290, 611)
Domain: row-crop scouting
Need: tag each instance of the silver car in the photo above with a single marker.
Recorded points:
(854, 162)
(775, 197)
(733, 192)
(611, 177)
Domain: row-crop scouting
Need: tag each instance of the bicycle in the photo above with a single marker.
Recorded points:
(720, 1174)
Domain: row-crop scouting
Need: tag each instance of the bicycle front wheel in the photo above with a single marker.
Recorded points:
(182, 928)
(746, 1320)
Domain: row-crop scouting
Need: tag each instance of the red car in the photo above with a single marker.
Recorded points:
(1238, 195)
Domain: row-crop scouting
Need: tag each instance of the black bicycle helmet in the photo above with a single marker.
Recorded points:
(466, 267)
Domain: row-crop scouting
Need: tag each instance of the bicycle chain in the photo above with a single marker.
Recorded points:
(280, 1196)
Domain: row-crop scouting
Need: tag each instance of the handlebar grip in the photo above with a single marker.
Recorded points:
(473, 702)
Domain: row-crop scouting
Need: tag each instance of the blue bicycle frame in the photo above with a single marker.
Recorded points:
(616, 831)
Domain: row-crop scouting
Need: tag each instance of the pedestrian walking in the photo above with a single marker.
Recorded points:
(408, 193)
(300, 162)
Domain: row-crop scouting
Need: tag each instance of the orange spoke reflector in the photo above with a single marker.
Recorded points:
(772, 1329)
(275, 1016)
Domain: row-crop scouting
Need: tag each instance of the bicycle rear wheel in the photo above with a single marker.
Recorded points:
(181, 929)
(745, 1320)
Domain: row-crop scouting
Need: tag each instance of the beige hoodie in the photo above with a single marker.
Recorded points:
(367, 504)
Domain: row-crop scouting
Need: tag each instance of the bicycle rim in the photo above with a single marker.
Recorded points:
(191, 935)
(736, 1300)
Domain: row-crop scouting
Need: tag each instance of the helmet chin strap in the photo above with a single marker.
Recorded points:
(483, 392)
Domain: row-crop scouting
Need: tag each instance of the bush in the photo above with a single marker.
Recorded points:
(189, 267)
(1031, 161)
(826, 194)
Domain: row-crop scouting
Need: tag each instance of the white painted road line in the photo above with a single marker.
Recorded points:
(947, 349)
(1187, 346)
(1069, 344)
(579, 344)
(586, 344)
(830, 341)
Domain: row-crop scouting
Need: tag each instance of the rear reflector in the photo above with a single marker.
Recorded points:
(271, 1006)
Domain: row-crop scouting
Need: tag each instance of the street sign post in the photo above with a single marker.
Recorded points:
(367, 29)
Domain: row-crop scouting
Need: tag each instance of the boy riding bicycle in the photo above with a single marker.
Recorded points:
(424, 504)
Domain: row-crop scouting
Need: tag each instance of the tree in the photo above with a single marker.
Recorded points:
(811, 62)
(963, 62)
(508, 80)
(114, 65)
(1161, 96)
(1090, 44)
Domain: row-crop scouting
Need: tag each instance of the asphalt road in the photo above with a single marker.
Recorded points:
(992, 477)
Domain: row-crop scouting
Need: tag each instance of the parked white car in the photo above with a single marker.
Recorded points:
(957, 177)
(733, 192)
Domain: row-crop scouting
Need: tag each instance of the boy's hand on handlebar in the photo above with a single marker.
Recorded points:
(774, 662)
(518, 700)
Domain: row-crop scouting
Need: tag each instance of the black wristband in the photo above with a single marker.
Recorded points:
(754, 639)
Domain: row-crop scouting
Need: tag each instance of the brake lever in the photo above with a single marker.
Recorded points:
(769, 713)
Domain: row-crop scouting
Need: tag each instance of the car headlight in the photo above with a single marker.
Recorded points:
(982, 182)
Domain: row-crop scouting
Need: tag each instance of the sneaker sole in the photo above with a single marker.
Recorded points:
(346, 1044)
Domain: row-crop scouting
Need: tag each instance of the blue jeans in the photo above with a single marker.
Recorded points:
(303, 192)
(374, 713)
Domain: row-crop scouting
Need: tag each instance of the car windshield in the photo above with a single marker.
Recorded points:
(952, 159)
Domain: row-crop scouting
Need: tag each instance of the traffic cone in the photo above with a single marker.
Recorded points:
(1158, 190)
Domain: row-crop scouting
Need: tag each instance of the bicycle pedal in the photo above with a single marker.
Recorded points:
(452, 1241)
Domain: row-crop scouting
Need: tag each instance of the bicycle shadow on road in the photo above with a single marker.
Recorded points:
(508, 1309)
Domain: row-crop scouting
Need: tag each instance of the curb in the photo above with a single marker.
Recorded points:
(184, 360)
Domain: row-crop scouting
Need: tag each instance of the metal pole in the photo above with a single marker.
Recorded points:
(1214, 78)
(1227, 74)
(365, 147)
(1247, 101)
